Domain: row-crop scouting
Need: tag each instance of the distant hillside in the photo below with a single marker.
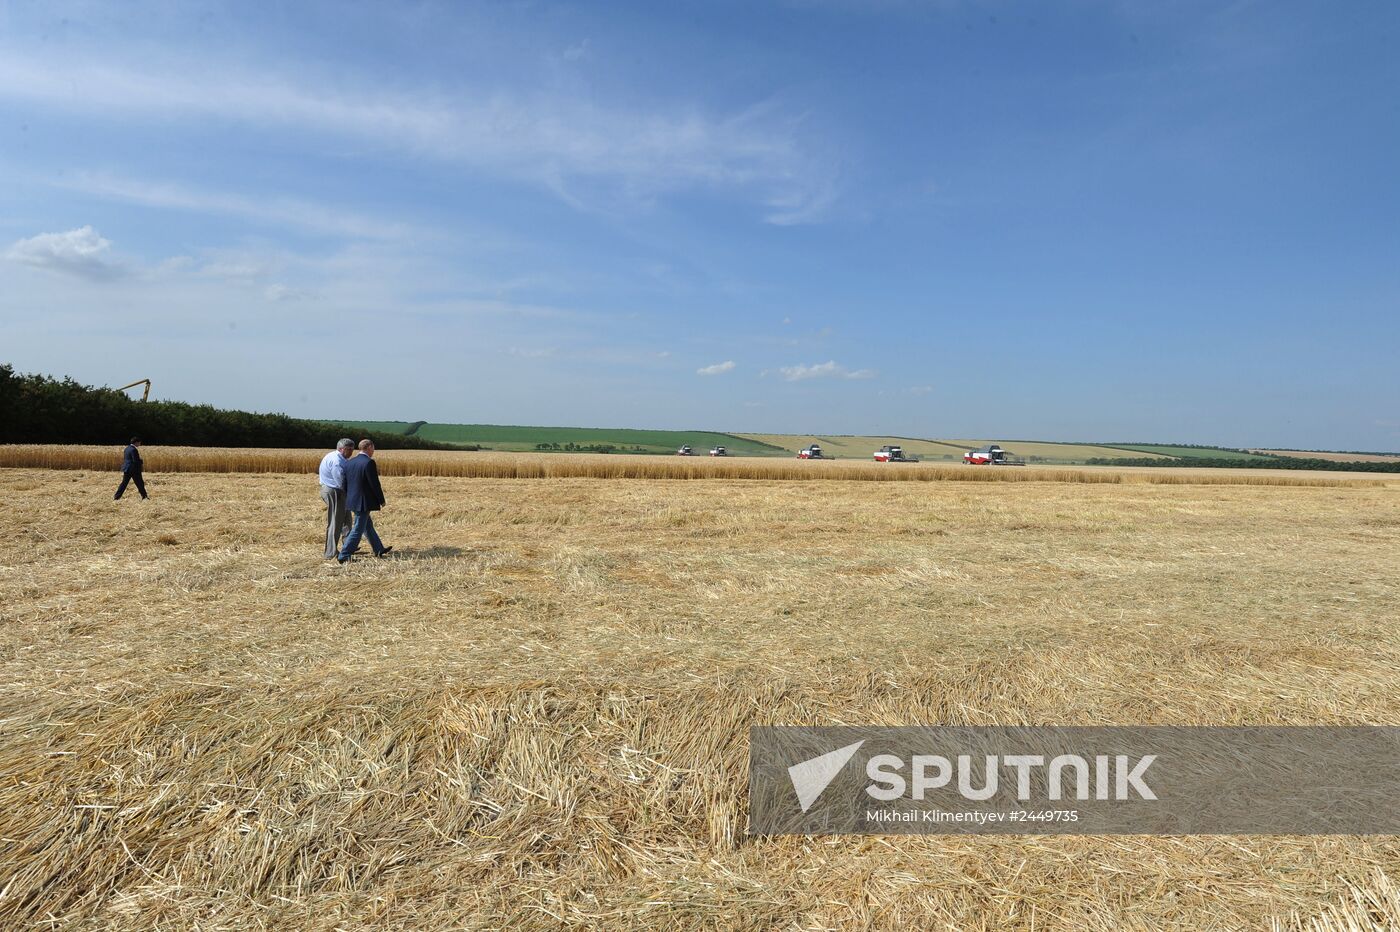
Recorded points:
(595, 439)
(1185, 450)
(1335, 456)
(518, 438)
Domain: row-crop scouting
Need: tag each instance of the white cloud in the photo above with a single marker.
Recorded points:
(718, 368)
(569, 143)
(82, 252)
(285, 293)
(825, 370)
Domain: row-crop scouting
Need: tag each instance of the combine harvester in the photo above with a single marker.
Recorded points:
(894, 454)
(811, 452)
(991, 455)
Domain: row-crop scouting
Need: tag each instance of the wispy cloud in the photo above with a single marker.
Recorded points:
(573, 145)
(825, 370)
(241, 267)
(799, 206)
(286, 212)
(719, 368)
(82, 252)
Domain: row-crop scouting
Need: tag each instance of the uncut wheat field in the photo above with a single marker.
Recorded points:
(535, 714)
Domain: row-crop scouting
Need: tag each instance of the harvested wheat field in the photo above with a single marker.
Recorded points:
(536, 714)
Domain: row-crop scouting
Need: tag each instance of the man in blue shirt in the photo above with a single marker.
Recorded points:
(131, 469)
(332, 474)
(363, 495)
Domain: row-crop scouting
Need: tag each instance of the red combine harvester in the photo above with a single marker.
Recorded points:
(991, 455)
(811, 452)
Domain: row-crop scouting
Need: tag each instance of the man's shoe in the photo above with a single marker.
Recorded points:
(340, 559)
(383, 553)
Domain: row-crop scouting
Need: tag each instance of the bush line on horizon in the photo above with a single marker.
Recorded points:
(40, 409)
(434, 464)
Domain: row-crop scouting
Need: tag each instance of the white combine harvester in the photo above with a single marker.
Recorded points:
(894, 454)
(991, 455)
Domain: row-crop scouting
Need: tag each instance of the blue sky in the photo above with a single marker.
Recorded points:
(1085, 220)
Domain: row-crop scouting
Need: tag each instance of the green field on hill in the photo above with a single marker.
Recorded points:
(621, 439)
(1204, 453)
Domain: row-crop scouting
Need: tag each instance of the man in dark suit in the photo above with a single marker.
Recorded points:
(363, 495)
(131, 469)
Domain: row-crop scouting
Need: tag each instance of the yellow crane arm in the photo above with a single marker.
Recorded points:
(145, 395)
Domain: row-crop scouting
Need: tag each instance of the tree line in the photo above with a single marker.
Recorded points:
(41, 409)
(571, 447)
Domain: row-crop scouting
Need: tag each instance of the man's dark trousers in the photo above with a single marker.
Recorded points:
(363, 526)
(131, 471)
(131, 477)
(363, 494)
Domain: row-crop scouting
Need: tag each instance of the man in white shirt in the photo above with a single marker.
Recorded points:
(333, 494)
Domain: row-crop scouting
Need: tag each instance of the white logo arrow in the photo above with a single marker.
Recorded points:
(811, 777)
